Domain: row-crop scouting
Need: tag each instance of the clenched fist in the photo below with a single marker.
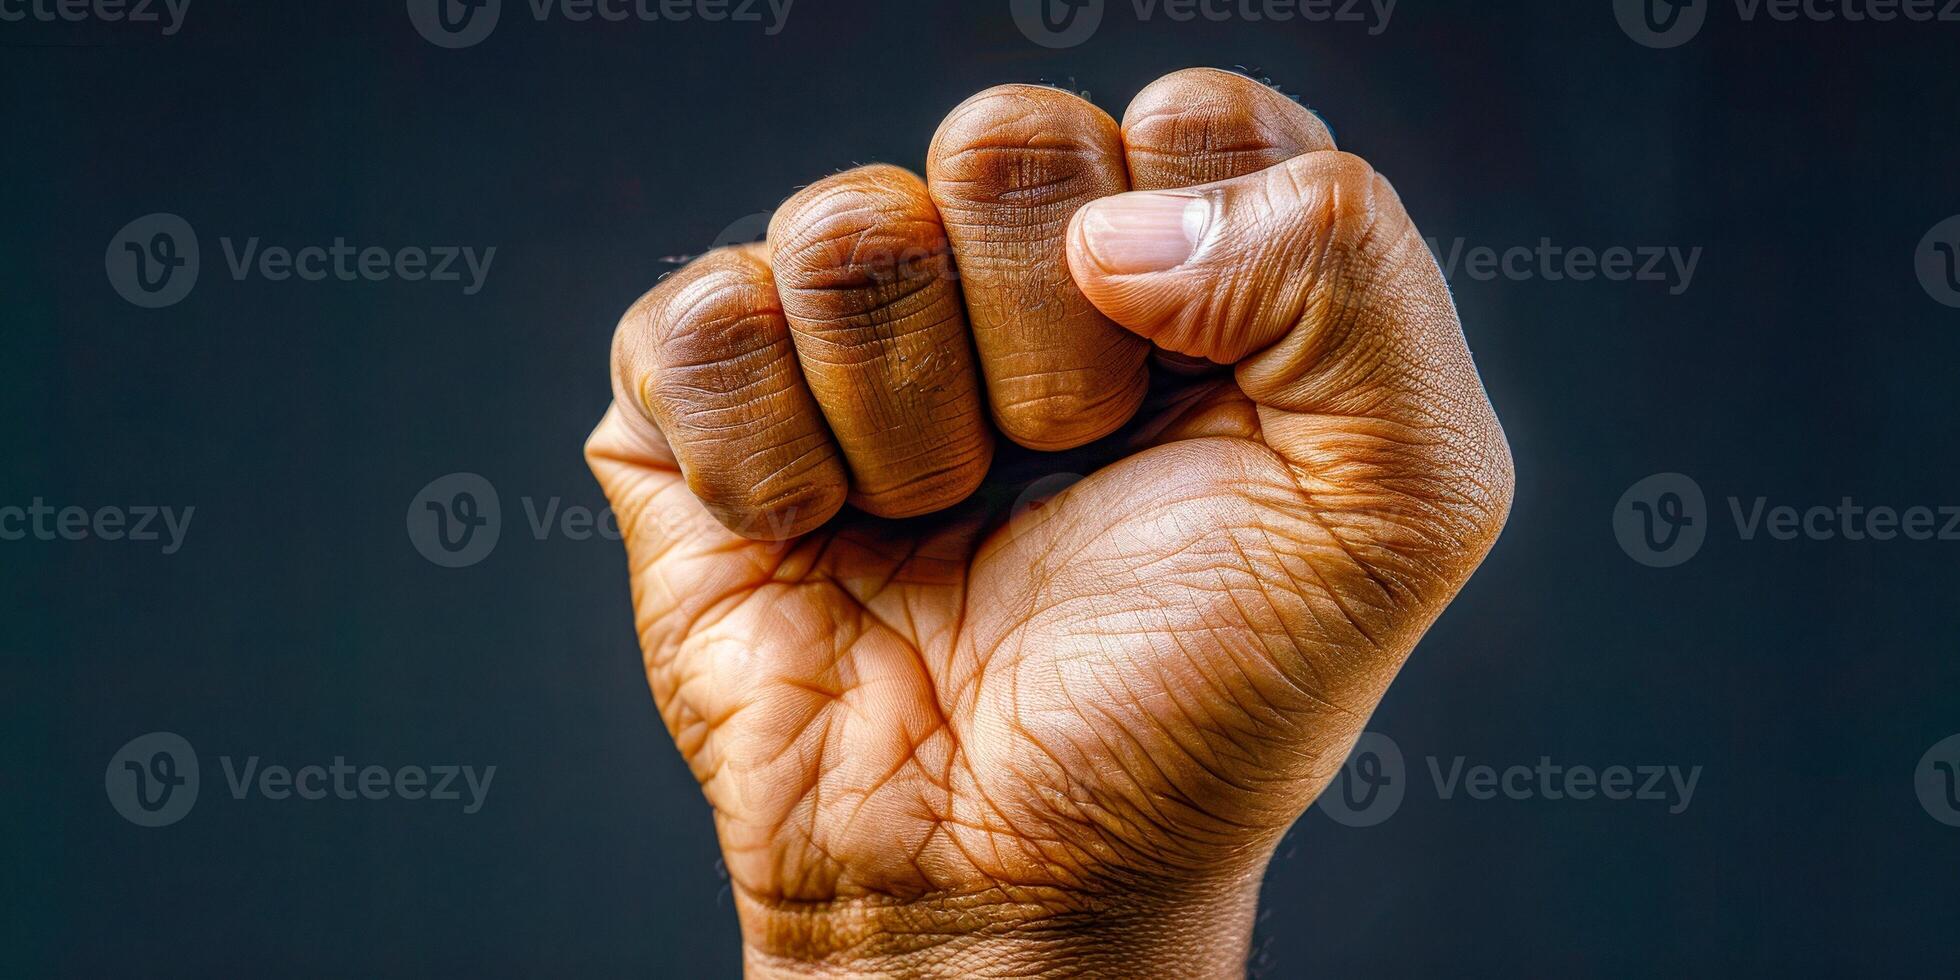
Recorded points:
(957, 715)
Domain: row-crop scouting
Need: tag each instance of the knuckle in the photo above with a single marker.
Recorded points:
(720, 307)
(1027, 148)
(847, 204)
(1016, 108)
(861, 251)
(723, 310)
(1329, 199)
(726, 283)
(858, 229)
(1337, 169)
(1203, 125)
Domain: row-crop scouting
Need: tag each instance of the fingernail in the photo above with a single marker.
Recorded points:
(1144, 231)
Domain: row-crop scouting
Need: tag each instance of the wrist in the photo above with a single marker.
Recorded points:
(1202, 932)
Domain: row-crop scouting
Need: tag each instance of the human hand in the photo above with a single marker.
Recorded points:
(969, 728)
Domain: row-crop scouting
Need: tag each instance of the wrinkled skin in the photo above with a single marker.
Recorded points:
(1048, 726)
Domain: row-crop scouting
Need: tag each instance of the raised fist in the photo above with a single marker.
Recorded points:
(958, 713)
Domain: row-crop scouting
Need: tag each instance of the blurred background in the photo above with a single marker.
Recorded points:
(1770, 319)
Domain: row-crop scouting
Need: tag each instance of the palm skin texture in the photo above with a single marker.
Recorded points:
(958, 712)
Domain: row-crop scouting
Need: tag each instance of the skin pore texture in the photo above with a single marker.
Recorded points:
(958, 716)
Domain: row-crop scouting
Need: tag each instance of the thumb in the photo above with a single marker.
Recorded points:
(1311, 279)
(1225, 269)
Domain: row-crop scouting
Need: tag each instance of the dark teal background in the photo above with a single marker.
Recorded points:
(1805, 364)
